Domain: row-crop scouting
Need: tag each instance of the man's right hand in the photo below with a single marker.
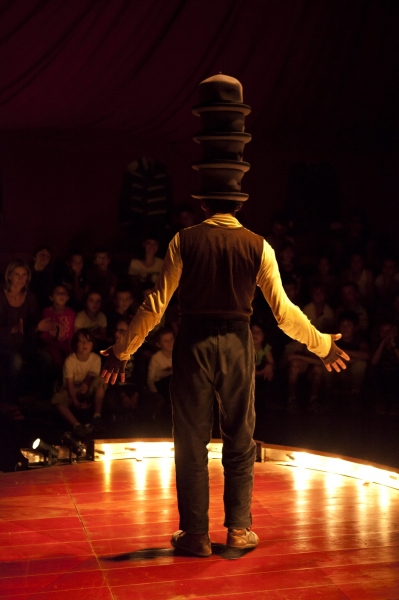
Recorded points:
(335, 358)
(112, 367)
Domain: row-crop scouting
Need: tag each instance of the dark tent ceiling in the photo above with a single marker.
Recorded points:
(88, 85)
(135, 65)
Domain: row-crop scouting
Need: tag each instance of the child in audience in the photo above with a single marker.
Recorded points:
(287, 265)
(92, 318)
(42, 276)
(57, 339)
(350, 302)
(357, 273)
(101, 278)
(325, 277)
(149, 267)
(319, 313)
(387, 285)
(385, 363)
(264, 368)
(83, 386)
(122, 398)
(75, 280)
(357, 348)
(301, 361)
(124, 306)
(160, 367)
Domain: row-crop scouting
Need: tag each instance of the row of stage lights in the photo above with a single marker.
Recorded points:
(51, 454)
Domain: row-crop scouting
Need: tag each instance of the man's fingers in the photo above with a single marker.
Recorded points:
(106, 375)
(104, 352)
(122, 376)
(328, 367)
(341, 364)
(114, 378)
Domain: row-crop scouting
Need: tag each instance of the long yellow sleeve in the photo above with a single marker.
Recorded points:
(289, 317)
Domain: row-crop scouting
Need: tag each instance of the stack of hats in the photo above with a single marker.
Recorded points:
(222, 139)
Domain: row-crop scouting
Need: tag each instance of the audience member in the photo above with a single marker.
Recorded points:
(264, 368)
(19, 324)
(147, 268)
(121, 399)
(100, 278)
(160, 366)
(93, 319)
(350, 302)
(355, 345)
(287, 264)
(318, 311)
(324, 276)
(58, 336)
(42, 276)
(74, 278)
(387, 286)
(385, 364)
(124, 306)
(83, 387)
(357, 273)
(279, 233)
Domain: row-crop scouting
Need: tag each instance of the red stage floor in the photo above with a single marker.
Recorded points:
(101, 531)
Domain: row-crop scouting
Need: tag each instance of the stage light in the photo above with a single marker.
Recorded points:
(74, 446)
(50, 453)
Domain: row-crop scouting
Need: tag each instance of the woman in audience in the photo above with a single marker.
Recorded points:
(19, 323)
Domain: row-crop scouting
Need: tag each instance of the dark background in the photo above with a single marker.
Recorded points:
(88, 85)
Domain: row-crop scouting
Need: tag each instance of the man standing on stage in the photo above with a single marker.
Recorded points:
(217, 266)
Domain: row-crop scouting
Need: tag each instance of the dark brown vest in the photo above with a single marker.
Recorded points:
(220, 266)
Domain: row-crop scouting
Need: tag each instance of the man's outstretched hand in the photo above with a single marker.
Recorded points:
(112, 367)
(335, 358)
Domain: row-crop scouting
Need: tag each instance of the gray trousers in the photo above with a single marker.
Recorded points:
(213, 358)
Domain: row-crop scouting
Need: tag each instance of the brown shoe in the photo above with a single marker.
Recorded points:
(241, 538)
(198, 544)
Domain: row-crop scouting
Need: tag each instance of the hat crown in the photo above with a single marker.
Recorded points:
(220, 88)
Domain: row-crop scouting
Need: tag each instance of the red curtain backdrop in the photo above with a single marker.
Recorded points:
(88, 85)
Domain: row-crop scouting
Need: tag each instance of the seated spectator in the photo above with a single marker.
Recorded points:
(121, 399)
(58, 336)
(42, 276)
(354, 344)
(160, 367)
(93, 319)
(148, 268)
(83, 387)
(124, 306)
(387, 285)
(279, 234)
(350, 302)
(357, 273)
(100, 278)
(183, 216)
(74, 278)
(264, 368)
(19, 323)
(385, 363)
(318, 311)
(302, 362)
(287, 265)
(325, 277)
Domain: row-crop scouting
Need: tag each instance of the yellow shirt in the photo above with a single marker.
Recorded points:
(288, 316)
